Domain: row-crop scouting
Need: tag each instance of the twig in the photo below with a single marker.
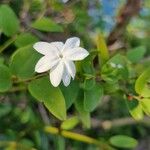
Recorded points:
(108, 124)
(30, 79)
(78, 137)
(17, 89)
(43, 114)
(7, 43)
(130, 9)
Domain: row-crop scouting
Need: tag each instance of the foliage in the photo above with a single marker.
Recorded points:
(109, 83)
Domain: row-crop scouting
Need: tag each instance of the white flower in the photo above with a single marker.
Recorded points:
(58, 58)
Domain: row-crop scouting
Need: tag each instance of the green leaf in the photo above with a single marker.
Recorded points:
(5, 78)
(137, 112)
(9, 24)
(117, 59)
(52, 97)
(1, 60)
(87, 65)
(92, 97)
(23, 62)
(115, 68)
(102, 48)
(83, 114)
(142, 86)
(135, 109)
(145, 103)
(70, 92)
(136, 54)
(4, 109)
(25, 39)
(89, 84)
(70, 123)
(110, 87)
(123, 141)
(47, 25)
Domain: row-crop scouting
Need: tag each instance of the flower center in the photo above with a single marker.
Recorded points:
(60, 55)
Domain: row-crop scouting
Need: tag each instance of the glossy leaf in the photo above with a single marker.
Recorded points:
(123, 141)
(25, 39)
(52, 97)
(70, 123)
(135, 109)
(47, 25)
(142, 84)
(145, 103)
(23, 62)
(9, 23)
(102, 48)
(70, 92)
(92, 97)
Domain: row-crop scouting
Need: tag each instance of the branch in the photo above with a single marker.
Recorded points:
(108, 124)
(129, 10)
(43, 113)
(78, 137)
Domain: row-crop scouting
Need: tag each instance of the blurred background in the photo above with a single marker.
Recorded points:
(125, 24)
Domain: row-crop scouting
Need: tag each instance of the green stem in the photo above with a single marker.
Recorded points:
(7, 44)
(18, 88)
(102, 48)
(30, 79)
(78, 137)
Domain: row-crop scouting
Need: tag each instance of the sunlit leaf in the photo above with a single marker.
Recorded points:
(135, 109)
(52, 97)
(142, 86)
(145, 103)
(70, 123)
(102, 48)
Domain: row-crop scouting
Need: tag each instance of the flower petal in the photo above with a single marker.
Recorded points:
(66, 77)
(70, 66)
(45, 64)
(46, 48)
(56, 74)
(71, 43)
(58, 45)
(76, 54)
